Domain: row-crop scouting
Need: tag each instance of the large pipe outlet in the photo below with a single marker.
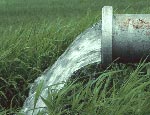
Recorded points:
(124, 36)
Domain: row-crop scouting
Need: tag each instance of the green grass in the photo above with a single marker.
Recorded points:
(118, 91)
(34, 33)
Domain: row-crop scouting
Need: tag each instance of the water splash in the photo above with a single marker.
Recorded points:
(84, 50)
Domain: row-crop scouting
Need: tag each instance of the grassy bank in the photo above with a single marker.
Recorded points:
(34, 33)
(118, 91)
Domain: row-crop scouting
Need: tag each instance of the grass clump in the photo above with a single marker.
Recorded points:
(107, 94)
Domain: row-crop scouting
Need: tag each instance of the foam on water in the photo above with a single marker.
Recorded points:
(84, 50)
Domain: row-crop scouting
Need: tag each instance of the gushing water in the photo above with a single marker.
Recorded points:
(85, 49)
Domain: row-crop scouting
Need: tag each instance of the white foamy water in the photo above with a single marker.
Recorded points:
(84, 50)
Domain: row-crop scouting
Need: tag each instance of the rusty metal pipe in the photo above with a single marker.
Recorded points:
(124, 36)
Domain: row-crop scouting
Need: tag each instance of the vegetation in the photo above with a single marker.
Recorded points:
(108, 94)
(34, 33)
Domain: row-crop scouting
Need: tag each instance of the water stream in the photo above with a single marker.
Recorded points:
(84, 50)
